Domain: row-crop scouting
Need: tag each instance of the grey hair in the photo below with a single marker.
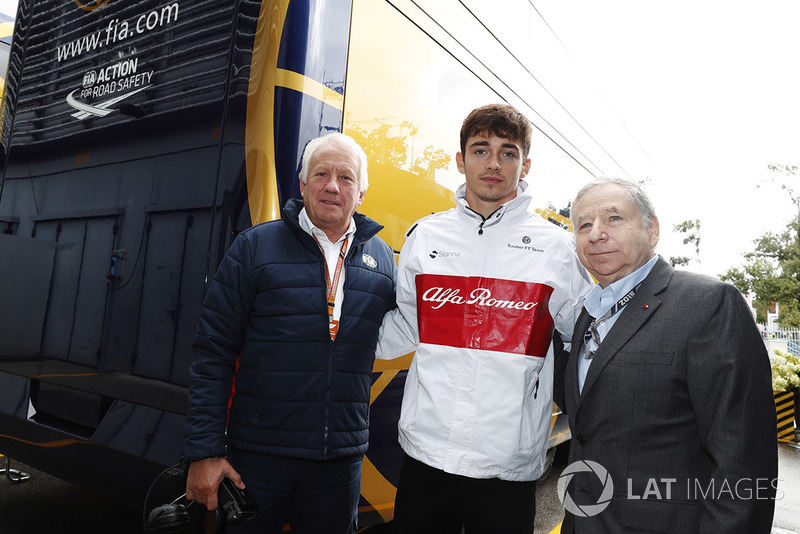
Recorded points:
(635, 193)
(341, 140)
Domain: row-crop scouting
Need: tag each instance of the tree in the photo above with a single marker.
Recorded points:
(390, 142)
(772, 270)
(785, 174)
(675, 261)
(691, 228)
(431, 160)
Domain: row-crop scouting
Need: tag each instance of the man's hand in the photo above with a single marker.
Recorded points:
(204, 479)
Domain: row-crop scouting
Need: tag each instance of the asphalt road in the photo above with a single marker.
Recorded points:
(787, 501)
(47, 505)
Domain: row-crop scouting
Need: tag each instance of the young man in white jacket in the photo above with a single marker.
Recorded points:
(480, 290)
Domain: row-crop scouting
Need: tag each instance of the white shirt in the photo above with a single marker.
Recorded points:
(331, 251)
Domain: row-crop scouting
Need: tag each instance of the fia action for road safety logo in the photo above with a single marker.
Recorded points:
(91, 6)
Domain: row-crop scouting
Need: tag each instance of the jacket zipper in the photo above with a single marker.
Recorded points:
(483, 219)
(328, 379)
(331, 352)
(326, 429)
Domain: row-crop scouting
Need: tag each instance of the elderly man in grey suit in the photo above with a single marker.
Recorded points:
(667, 387)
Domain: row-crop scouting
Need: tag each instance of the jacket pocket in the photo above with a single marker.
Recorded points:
(536, 394)
(643, 357)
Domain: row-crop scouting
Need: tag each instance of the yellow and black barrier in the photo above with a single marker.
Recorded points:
(784, 404)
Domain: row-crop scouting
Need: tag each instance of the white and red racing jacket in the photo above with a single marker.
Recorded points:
(479, 299)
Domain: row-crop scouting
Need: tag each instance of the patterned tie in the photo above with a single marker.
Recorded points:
(591, 336)
(591, 339)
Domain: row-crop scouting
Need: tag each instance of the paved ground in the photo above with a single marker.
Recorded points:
(45, 504)
(787, 504)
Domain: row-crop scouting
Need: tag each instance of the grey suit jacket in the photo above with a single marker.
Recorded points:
(677, 409)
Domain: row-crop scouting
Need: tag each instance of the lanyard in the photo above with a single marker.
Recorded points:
(592, 334)
(333, 284)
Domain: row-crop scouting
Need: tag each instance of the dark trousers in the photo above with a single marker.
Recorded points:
(314, 497)
(432, 501)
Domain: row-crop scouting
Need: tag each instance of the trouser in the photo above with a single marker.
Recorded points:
(314, 497)
(432, 501)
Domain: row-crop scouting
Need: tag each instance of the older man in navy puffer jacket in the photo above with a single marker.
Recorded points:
(298, 302)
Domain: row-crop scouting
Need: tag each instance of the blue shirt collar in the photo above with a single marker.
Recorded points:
(598, 300)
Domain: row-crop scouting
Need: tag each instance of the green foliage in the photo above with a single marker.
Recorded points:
(785, 174)
(772, 270)
(691, 230)
(678, 260)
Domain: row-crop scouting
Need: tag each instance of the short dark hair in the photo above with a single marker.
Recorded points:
(501, 120)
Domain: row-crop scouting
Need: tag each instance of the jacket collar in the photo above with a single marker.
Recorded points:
(365, 227)
(518, 204)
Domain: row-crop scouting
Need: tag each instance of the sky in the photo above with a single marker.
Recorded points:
(709, 90)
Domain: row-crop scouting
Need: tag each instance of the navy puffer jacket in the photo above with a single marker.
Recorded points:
(298, 394)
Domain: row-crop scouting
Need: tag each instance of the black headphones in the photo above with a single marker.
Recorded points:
(178, 516)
